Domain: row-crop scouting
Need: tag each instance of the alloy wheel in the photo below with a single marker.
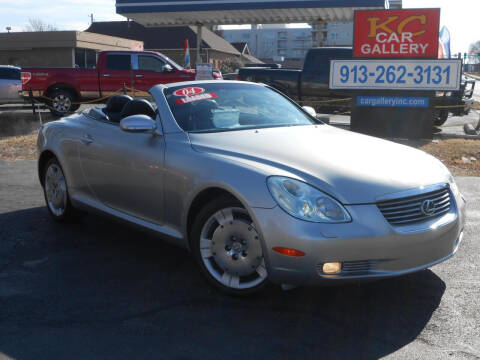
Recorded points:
(231, 250)
(56, 190)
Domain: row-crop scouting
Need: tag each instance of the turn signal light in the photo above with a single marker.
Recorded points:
(332, 268)
(289, 252)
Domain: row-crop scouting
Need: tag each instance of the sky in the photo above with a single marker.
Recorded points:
(460, 16)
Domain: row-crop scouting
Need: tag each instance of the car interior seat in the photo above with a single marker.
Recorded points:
(138, 107)
(115, 105)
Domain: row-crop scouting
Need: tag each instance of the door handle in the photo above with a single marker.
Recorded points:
(106, 75)
(139, 76)
(87, 139)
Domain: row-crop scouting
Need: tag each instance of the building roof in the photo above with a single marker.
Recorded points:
(242, 47)
(251, 59)
(223, 12)
(157, 38)
(67, 39)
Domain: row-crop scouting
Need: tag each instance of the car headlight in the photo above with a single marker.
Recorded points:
(453, 185)
(306, 202)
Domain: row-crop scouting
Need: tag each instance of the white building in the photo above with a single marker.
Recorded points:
(278, 41)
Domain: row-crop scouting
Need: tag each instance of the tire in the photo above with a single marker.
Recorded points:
(62, 102)
(442, 118)
(228, 249)
(55, 191)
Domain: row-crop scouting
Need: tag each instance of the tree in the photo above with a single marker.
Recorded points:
(230, 64)
(35, 24)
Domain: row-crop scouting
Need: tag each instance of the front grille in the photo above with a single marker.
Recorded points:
(353, 268)
(359, 267)
(408, 210)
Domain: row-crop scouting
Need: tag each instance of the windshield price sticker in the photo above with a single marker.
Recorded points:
(395, 74)
(199, 97)
(189, 91)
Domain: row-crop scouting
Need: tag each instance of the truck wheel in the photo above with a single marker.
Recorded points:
(441, 118)
(61, 103)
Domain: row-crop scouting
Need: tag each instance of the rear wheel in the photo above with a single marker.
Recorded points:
(227, 248)
(62, 102)
(56, 192)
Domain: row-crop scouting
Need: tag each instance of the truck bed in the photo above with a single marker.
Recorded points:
(41, 78)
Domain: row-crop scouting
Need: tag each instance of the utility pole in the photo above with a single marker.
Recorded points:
(91, 18)
(199, 43)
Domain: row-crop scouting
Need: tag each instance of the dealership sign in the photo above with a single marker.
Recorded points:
(396, 33)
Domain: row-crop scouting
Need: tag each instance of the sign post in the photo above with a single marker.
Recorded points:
(395, 72)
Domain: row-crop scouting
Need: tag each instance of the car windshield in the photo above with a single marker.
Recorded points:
(222, 106)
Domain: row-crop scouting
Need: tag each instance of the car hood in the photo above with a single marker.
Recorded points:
(355, 168)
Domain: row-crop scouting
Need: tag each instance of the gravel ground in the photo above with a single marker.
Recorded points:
(96, 289)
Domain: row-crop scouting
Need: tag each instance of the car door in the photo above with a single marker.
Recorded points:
(116, 73)
(151, 70)
(124, 170)
(10, 85)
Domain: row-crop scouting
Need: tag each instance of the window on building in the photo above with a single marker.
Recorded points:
(118, 62)
(150, 63)
(282, 44)
(282, 35)
(299, 53)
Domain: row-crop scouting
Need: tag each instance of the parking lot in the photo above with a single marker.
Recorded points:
(99, 289)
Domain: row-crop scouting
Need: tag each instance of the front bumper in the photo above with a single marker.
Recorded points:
(368, 247)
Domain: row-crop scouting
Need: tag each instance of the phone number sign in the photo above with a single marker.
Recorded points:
(396, 33)
(396, 74)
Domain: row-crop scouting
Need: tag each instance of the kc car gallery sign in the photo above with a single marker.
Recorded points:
(396, 33)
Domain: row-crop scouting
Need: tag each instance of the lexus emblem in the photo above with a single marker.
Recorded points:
(428, 207)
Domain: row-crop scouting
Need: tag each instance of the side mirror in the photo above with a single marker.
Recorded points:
(138, 124)
(310, 110)
(167, 68)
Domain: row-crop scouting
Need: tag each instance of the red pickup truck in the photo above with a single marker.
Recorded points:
(63, 88)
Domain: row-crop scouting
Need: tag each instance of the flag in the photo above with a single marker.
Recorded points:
(187, 54)
(444, 44)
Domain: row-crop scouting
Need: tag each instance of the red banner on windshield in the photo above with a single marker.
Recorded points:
(396, 33)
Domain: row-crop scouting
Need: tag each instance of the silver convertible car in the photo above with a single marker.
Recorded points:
(254, 186)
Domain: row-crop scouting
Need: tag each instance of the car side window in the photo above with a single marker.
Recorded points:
(118, 62)
(9, 74)
(150, 63)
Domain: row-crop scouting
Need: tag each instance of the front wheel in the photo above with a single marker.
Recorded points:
(227, 248)
(441, 118)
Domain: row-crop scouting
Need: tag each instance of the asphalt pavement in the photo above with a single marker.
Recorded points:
(97, 289)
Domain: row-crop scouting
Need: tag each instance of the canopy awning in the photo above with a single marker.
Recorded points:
(222, 12)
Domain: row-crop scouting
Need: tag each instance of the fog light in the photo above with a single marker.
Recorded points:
(332, 267)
